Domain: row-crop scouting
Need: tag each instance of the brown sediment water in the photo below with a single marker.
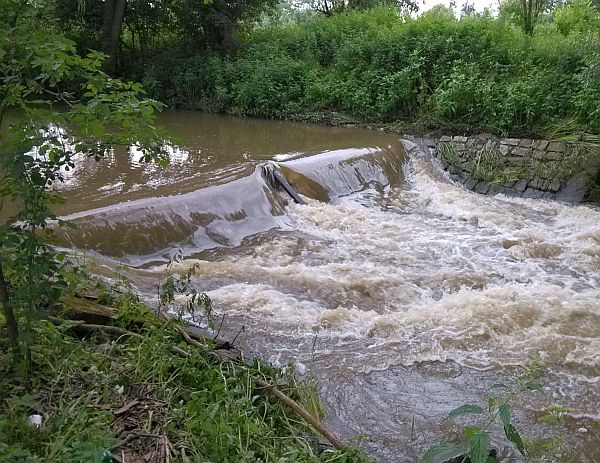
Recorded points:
(404, 294)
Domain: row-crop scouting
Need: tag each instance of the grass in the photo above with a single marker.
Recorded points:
(134, 398)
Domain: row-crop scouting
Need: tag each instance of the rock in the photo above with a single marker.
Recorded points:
(542, 144)
(470, 183)
(532, 193)
(510, 141)
(503, 149)
(554, 185)
(558, 146)
(460, 139)
(526, 143)
(482, 187)
(521, 152)
(520, 186)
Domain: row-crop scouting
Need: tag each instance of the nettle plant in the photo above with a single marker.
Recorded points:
(55, 107)
(476, 445)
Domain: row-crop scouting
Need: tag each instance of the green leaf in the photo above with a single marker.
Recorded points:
(513, 435)
(445, 449)
(479, 446)
(465, 410)
(504, 411)
(533, 386)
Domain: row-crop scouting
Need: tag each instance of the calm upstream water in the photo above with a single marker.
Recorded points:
(403, 294)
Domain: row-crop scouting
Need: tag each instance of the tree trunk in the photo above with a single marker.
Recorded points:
(112, 26)
(9, 315)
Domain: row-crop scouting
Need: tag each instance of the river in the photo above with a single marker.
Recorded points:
(401, 293)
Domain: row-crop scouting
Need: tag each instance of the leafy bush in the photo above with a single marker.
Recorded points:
(472, 74)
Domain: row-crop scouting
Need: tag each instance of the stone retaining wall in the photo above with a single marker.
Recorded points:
(522, 167)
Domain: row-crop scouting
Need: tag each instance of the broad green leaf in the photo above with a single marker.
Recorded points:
(479, 447)
(513, 435)
(445, 449)
(504, 411)
(465, 410)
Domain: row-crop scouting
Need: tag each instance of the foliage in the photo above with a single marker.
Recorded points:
(215, 411)
(576, 16)
(62, 107)
(476, 444)
(469, 75)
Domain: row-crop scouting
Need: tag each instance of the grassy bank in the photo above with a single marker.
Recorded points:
(433, 72)
(103, 397)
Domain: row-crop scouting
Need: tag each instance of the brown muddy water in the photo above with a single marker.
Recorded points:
(403, 294)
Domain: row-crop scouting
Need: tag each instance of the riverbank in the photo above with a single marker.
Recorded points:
(461, 76)
(125, 386)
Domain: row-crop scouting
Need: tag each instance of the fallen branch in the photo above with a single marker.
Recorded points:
(300, 410)
(224, 356)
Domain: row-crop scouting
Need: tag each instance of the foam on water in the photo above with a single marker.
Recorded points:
(428, 271)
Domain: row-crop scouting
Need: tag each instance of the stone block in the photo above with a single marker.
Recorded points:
(557, 146)
(509, 185)
(504, 150)
(445, 139)
(554, 185)
(520, 186)
(459, 139)
(532, 193)
(470, 183)
(542, 144)
(490, 145)
(526, 143)
(510, 141)
(539, 154)
(521, 152)
(482, 187)
(537, 183)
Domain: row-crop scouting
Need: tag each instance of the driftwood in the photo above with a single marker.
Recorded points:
(223, 352)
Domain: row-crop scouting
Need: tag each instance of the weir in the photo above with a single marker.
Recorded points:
(146, 230)
(400, 291)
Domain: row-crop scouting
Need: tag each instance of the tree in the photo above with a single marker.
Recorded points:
(530, 11)
(524, 13)
(112, 26)
(329, 7)
(62, 106)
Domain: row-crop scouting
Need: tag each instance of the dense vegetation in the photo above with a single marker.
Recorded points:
(96, 394)
(474, 74)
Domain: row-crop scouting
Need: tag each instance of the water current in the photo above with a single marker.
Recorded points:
(404, 295)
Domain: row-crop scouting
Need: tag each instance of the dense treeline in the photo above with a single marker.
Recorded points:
(470, 74)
